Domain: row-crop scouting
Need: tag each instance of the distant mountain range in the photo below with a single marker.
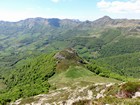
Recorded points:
(55, 22)
(92, 39)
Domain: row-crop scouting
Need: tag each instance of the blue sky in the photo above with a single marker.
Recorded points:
(14, 10)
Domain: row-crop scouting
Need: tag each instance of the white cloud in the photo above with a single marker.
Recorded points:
(12, 15)
(130, 6)
(55, 1)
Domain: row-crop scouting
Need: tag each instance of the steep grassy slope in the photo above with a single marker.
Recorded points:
(77, 74)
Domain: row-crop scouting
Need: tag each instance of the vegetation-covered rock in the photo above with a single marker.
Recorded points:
(66, 58)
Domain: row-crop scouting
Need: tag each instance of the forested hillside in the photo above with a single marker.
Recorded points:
(126, 64)
(30, 76)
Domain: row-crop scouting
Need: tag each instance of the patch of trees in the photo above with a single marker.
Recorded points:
(126, 64)
(123, 46)
(104, 72)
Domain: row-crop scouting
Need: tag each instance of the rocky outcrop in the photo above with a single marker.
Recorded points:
(68, 53)
(68, 57)
(86, 95)
(129, 90)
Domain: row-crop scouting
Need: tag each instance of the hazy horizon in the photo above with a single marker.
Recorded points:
(64, 19)
(16, 10)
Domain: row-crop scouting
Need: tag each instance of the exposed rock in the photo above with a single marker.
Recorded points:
(67, 57)
(17, 102)
(70, 50)
(137, 95)
(128, 90)
(99, 95)
(124, 94)
(75, 96)
(68, 53)
(59, 56)
(110, 84)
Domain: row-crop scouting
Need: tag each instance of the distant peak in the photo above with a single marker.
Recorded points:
(105, 18)
(103, 21)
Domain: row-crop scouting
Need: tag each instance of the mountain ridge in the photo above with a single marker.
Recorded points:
(104, 20)
(92, 39)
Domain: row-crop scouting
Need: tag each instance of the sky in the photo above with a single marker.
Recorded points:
(15, 10)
